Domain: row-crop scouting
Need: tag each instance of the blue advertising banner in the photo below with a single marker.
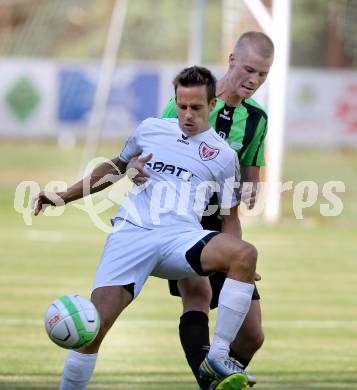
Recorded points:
(134, 96)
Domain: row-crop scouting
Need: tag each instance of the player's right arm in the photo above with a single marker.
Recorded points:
(101, 177)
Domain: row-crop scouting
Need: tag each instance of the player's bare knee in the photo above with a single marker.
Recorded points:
(250, 255)
(245, 259)
(251, 251)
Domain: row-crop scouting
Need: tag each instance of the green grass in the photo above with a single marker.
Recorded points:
(308, 288)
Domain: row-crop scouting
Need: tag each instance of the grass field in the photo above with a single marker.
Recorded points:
(308, 289)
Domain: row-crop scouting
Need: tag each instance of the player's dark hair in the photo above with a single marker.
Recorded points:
(197, 76)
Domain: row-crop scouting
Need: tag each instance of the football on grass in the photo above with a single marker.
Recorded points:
(72, 321)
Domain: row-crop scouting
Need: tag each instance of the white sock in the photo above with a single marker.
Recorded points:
(77, 370)
(233, 305)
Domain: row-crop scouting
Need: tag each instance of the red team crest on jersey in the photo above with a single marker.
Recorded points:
(207, 152)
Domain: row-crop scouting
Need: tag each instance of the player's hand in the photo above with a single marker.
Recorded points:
(135, 169)
(248, 194)
(257, 277)
(45, 199)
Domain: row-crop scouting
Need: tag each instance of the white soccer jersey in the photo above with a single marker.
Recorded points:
(184, 174)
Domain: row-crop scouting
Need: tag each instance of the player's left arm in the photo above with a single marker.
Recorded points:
(250, 163)
(249, 184)
(228, 198)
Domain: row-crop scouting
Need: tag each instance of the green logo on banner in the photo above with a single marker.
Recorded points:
(23, 98)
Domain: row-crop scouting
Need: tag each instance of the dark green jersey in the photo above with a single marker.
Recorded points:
(243, 127)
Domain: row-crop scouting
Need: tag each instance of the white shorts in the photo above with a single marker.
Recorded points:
(133, 253)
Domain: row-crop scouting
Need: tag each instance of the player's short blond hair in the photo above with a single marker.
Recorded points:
(257, 41)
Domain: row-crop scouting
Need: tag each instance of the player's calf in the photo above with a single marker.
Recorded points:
(110, 301)
(250, 336)
(196, 294)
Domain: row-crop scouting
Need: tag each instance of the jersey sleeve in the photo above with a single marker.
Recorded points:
(132, 147)
(228, 181)
(254, 154)
(170, 110)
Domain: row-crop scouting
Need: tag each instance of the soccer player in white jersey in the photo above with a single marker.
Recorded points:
(157, 231)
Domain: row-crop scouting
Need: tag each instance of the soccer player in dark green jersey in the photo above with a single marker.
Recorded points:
(242, 122)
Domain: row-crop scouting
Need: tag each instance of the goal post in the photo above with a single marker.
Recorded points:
(277, 108)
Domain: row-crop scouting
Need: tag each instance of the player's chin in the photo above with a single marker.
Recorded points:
(190, 130)
(246, 93)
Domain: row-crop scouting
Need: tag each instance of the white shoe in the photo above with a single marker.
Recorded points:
(223, 367)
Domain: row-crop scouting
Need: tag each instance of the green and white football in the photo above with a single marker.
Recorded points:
(72, 321)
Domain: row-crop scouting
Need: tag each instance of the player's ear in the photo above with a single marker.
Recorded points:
(232, 59)
(212, 104)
